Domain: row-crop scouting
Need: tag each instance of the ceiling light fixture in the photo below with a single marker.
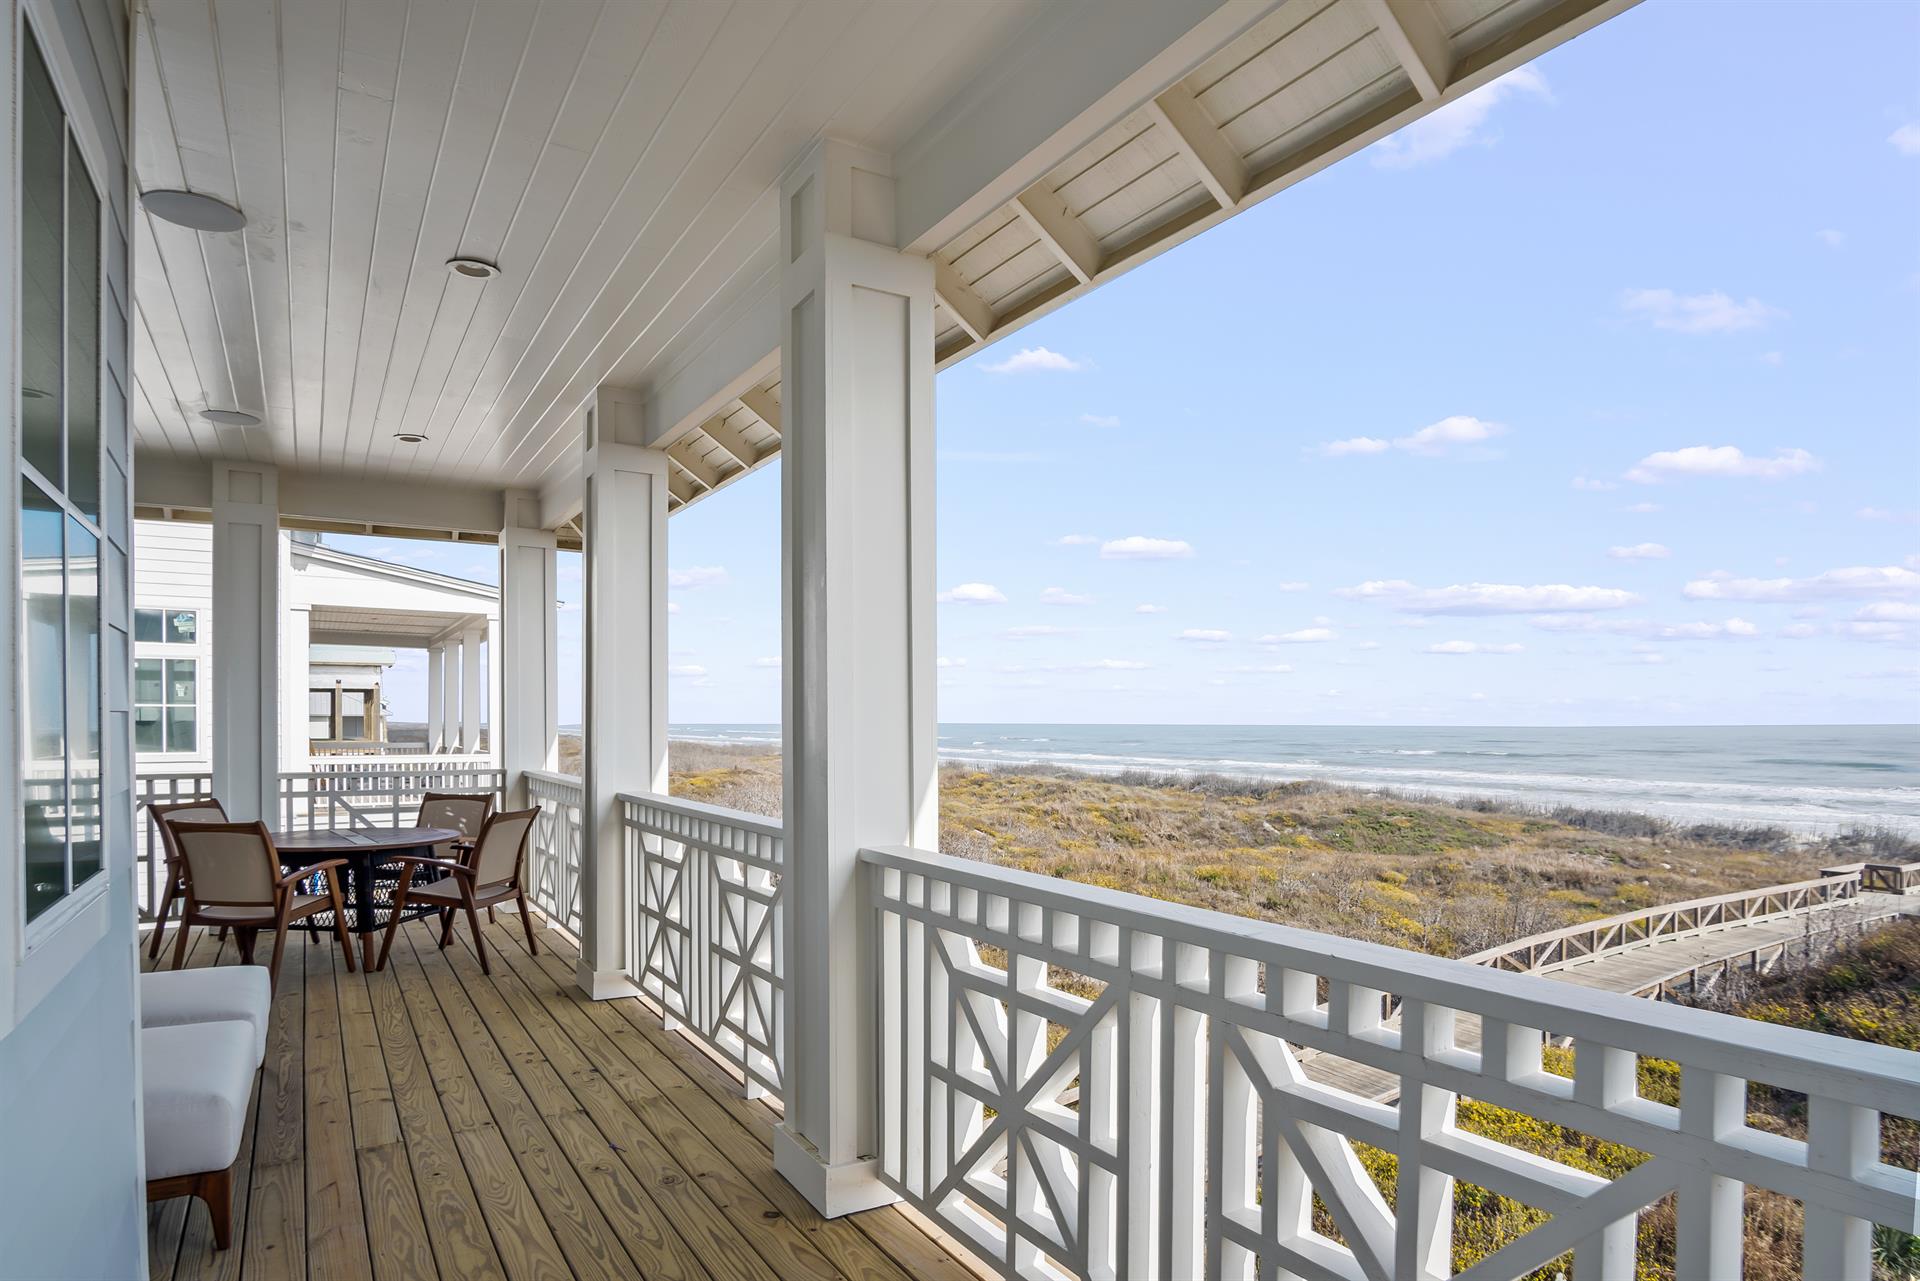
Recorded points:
(410, 438)
(191, 209)
(231, 417)
(472, 268)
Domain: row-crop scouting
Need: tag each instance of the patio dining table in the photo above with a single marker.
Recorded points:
(366, 850)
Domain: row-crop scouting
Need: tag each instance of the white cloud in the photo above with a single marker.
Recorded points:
(1774, 358)
(1100, 420)
(1305, 636)
(1721, 460)
(1461, 123)
(686, 670)
(1149, 609)
(1473, 647)
(1889, 611)
(1799, 631)
(1731, 628)
(1830, 237)
(1355, 445)
(1036, 631)
(1890, 517)
(1261, 669)
(1028, 359)
(1135, 547)
(1456, 429)
(698, 576)
(1489, 598)
(1873, 630)
(1205, 636)
(1711, 313)
(1287, 587)
(1076, 540)
(1590, 483)
(1061, 596)
(774, 661)
(1112, 665)
(1855, 581)
(1646, 628)
(1368, 644)
(973, 594)
(1906, 139)
(1644, 509)
(1640, 551)
(944, 661)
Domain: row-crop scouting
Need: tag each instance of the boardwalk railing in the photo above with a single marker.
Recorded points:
(553, 849)
(1199, 1147)
(1588, 940)
(1880, 878)
(708, 920)
(371, 793)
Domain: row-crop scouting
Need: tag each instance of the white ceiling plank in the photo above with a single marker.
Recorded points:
(1213, 160)
(310, 34)
(967, 308)
(1065, 237)
(1413, 30)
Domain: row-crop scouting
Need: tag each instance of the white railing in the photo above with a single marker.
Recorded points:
(150, 859)
(372, 794)
(553, 848)
(708, 921)
(1196, 1144)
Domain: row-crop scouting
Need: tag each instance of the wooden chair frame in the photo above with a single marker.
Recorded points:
(170, 849)
(472, 897)
(214, 1187)
(277, 915)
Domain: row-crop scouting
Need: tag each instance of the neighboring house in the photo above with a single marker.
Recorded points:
(342, 618)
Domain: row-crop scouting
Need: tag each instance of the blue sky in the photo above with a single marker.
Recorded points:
(1592, 399)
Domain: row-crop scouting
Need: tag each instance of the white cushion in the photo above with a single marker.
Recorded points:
(195, 1082)
(243, 992)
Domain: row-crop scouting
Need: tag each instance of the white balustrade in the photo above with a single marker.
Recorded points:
(372, 793)
(150, 858)
(707, 924)
(1082, 1082)
(553, 847)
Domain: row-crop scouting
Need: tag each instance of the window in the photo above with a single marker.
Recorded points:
(166, 694)
(59, 468)
(166, 626)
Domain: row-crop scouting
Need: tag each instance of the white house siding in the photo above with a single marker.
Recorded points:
(173, 569)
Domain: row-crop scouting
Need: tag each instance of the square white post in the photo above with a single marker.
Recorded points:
(491, 675)
(857, 614)
(436, 697)
(626, 672)
(295, 654)
(246, 639)
(527, 672)
(471, 674)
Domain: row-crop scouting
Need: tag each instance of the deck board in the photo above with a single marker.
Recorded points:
(434, 1121)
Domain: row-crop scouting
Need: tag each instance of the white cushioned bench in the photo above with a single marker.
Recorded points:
(242, 993)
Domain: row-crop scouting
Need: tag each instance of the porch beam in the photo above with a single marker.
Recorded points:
(1205, 149)
(857, 681)
(968, 309)
(1413, 30)
(526, 667)
(246, 638)
(1064, 235)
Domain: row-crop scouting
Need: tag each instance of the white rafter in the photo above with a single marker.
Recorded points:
(1413, 30)
(968, 309)
(761, 404)
(1195, 136)
(1064, 235)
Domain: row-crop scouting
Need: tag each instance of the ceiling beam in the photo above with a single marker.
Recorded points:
(1413, 30)
(684, 456)
(761, 404)
(1064, 235)
(722, 433)
(968, 309)
(679, 488)
(1207, 151)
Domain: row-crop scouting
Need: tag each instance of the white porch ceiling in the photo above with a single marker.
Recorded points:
(616, 159)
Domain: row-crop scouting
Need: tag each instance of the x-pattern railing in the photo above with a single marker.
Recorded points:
(1086, 1083)
(553, 849)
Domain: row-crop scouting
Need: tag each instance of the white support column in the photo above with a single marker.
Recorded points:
(295, 651)
(857, 615)
(626, 671)
(246, 638)
(436, 698)
(491, 675)
(527, 673)
(472, 673)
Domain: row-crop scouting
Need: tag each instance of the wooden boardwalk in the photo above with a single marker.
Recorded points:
(430, 1121)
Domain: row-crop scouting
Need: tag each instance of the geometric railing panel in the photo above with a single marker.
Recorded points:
(553, 847)
(708, 924)
(1080, 1082)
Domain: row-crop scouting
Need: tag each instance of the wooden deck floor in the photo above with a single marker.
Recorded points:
(429, 1121)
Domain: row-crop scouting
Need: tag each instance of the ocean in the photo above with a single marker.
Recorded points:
(1810, 779)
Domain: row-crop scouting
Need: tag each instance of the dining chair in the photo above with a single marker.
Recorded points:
(163, 814)
(464, 812)
(232, 877)
(491, 874)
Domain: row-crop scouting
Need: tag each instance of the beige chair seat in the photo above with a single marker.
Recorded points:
(446, 893)
(245, 914)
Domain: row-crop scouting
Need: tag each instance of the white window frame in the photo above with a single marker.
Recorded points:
(194, 651)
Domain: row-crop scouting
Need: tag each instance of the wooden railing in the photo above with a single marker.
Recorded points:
(708, 919)
(1198, 1145)
(553, 847)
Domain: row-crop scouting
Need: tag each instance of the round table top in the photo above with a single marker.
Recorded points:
(308, 845)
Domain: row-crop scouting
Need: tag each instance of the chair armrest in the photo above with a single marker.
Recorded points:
(444, 864)
(302, 873)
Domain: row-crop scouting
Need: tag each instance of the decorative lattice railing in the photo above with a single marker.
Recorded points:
(708, 924)
(553, 847)
(367, 793)
(1088, 1083)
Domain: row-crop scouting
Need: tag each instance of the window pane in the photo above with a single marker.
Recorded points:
(146, 625)
(83, 340)
(83, 699)
(147, 686)
(180, 730)
(146, 730)
(353, 713)
(183, 625)
(43, 146)
(43, 769)
(180, 681)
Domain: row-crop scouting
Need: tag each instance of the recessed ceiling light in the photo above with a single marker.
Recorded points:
(409, 438)
(231, 417)
(472, 268)
(191, 209)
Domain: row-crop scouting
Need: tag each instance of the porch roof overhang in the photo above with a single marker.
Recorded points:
(621, 167)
